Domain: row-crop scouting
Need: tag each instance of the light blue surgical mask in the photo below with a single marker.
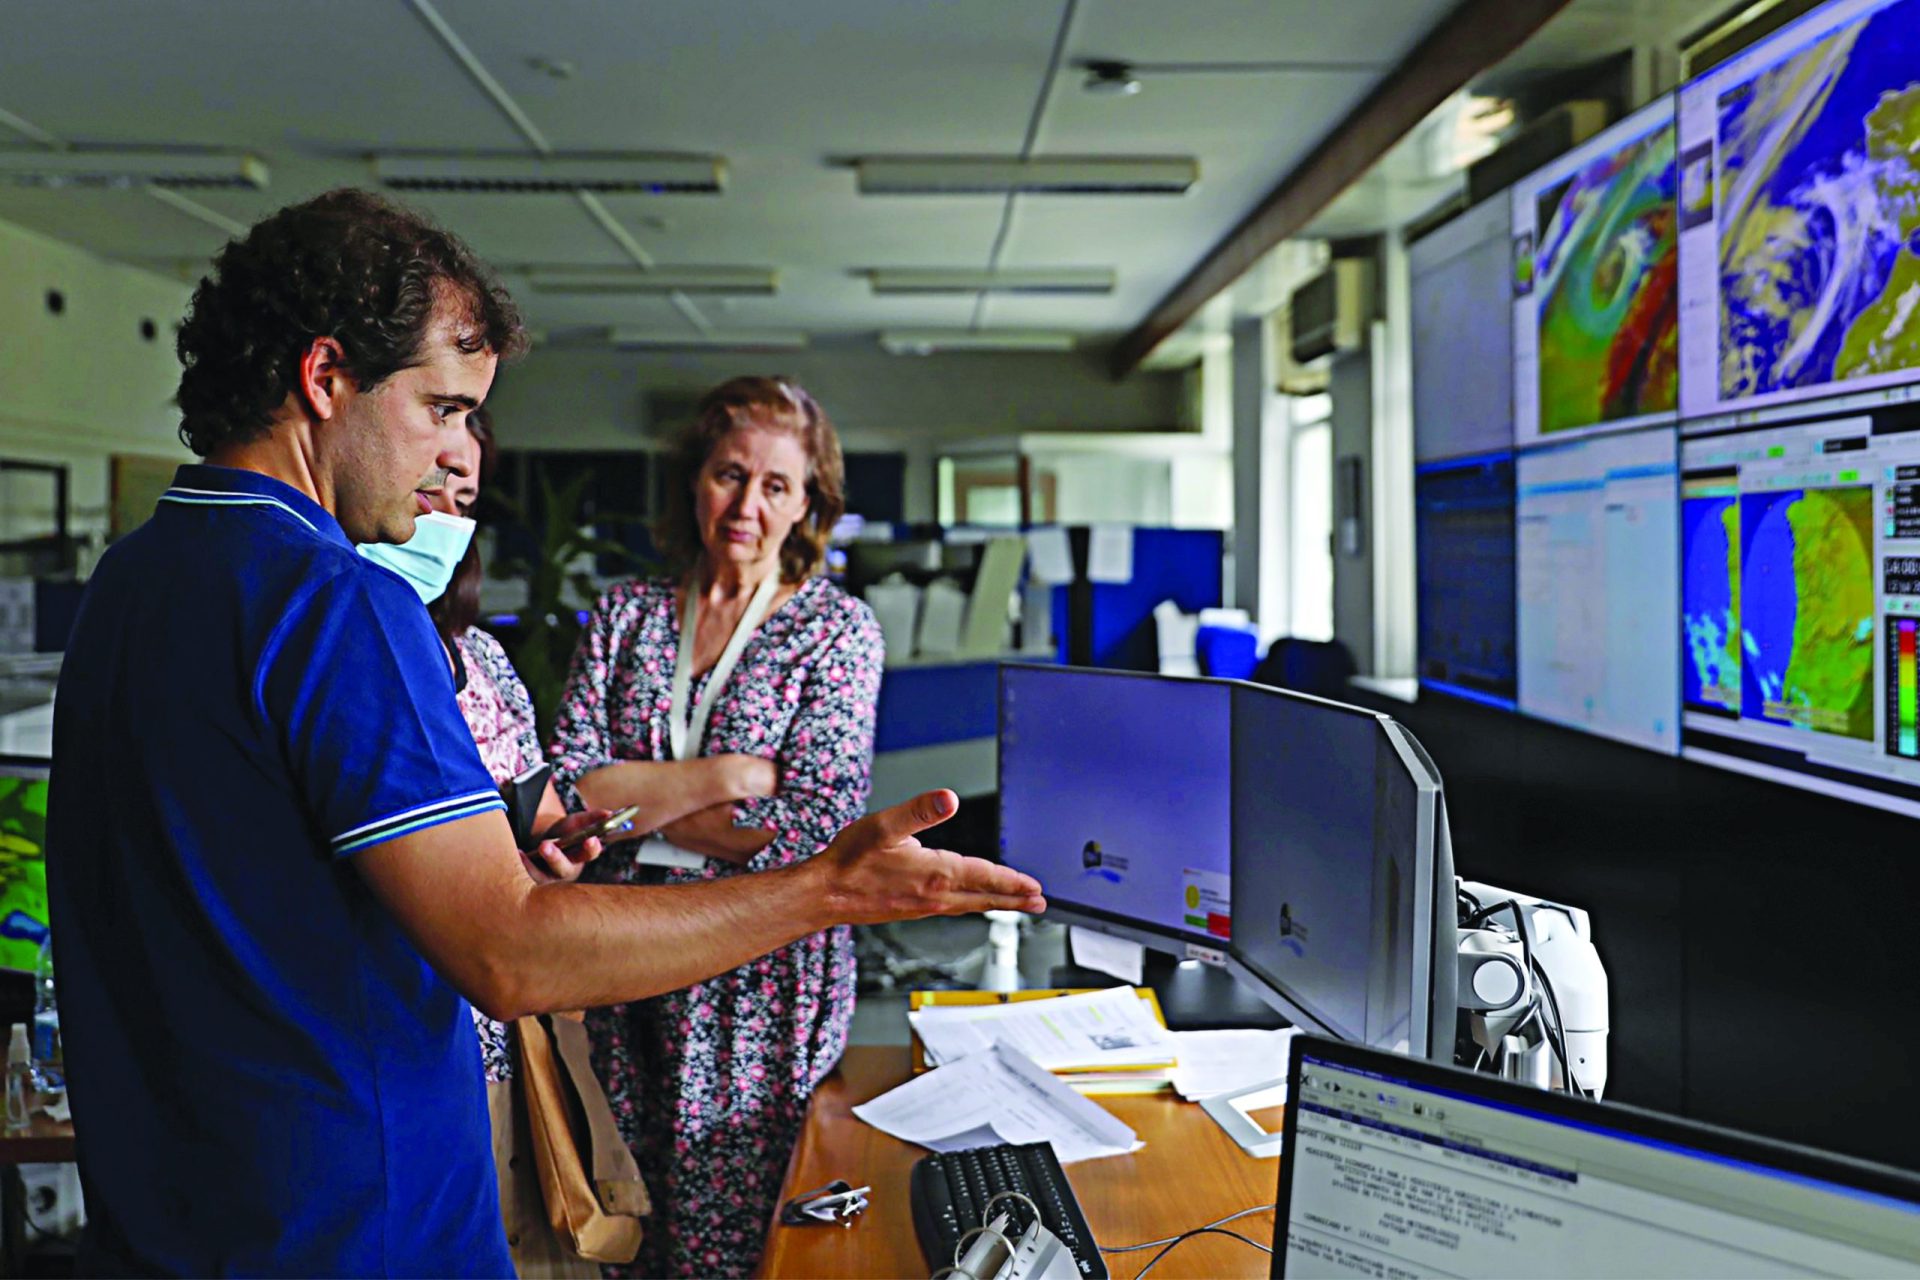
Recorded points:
(427, 559)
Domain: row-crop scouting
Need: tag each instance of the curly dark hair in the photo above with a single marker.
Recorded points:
(769, 400)
(347, 265)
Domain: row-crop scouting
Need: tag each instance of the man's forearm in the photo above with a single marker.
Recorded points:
(580, 946)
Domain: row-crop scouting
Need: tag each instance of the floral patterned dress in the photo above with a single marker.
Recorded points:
(710, 1084)
(500, 714)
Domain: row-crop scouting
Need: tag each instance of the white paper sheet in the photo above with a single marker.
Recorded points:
(1104, 953)
(999, 1095)
(1051, 557)
(1214, 1062)
(1102, 1029)
(1110, 553)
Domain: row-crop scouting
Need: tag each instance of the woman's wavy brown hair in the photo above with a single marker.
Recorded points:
(770, 401)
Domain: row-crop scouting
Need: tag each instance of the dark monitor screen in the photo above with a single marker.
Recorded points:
(23, 861)
(1396, 1167)
(1114, 794)
(1463, 531)
(1338, 867)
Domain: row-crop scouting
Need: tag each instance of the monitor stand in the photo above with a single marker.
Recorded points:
(1198, 997)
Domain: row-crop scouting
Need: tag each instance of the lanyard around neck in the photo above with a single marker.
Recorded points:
(686, 734)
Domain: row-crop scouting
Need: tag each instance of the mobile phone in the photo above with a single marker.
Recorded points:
(614, 823)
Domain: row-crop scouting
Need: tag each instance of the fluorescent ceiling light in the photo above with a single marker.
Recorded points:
(719, 339)
(609, 172)
(997, 175)
(926, 342)
(88, 167)
(1087, 280)
(600, 280)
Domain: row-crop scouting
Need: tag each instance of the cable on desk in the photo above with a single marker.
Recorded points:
(1176, 1239)
(1199, 1231)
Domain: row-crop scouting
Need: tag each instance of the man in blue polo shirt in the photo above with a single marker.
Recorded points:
(278, 869)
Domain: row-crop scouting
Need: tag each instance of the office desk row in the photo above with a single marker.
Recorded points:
(1188, 1174)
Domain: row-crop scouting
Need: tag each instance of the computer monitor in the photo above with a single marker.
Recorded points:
(1464, 566)
(23, 866)
(1796, 217)
(1800, 604)
(1114, 794)
(1343, 899)
(1595, 308)
(1399, 1167)
(1597, 527)
(1462, 346)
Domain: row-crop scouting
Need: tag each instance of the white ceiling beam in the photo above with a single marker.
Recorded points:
(734, 281)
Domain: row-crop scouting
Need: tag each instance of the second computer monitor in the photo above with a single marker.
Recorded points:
(1115, 795)
(1342, 872)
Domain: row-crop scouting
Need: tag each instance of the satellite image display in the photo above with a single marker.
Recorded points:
(1806, 609)
(1819, 199)
(1607, 268)
(1710, 597)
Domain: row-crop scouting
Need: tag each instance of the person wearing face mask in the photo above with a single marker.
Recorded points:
(442, 563)
(743, 648)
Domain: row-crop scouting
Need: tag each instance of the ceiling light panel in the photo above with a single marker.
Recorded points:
(96, 168)
(718, 339)
(926, 342)
(737, 281)
(1067, 280)
(611, 173)
(988, 175)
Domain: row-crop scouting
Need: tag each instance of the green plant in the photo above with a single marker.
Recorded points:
(549, 628)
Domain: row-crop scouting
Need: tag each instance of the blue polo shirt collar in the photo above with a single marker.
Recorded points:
(198, 484)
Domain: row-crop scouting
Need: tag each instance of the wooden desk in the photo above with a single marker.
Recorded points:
(1188, 1174)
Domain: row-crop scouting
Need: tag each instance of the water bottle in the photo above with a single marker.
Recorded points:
(49, 1064)
(19, 1118)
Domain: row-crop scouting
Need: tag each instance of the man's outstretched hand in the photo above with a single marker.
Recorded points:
(876, 870)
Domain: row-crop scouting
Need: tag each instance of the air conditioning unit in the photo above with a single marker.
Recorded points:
(1330, 312)
(1290, 377)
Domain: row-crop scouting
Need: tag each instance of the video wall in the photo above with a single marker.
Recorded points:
(1697, 528)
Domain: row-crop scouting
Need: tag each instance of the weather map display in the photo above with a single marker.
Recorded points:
(1463, 546)
(1462, 318)
(1597, 528)
(1595, 277)
(1798, 604)
(23, 862)
(1115, 793)
(1800, 240)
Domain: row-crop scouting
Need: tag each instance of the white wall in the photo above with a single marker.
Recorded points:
(560, 398)
(78, 387)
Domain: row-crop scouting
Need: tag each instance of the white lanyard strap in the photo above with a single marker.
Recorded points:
(686, 735)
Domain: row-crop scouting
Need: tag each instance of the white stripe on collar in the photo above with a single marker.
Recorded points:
(227, 498)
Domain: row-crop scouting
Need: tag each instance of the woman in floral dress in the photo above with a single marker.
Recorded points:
(781, 670)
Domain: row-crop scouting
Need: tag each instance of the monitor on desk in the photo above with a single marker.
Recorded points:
(1399, 1167)
(1343, 895)
(1114, 794)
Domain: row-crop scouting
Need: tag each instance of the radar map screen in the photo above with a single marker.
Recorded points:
(1800, 599)
(1800, 214)
(1598, 556)
(1595, 309)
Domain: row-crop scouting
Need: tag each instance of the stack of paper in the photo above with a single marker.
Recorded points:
(1216, 1062)
(1100, 1041)
(999, 1095)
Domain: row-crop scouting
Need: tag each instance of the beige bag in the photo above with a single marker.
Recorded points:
(595, 1198)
